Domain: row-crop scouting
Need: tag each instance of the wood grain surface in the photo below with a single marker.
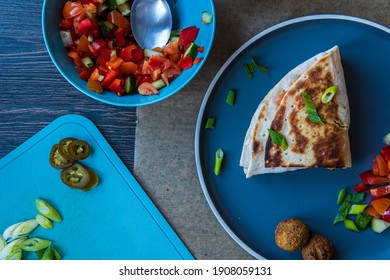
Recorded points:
(33, 93)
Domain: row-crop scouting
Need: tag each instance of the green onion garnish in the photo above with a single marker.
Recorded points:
(248, 70)
(47, 210)
(311, 109)
(327, 96)
(262, 68)
(35, 244)
(210, 123)
(218, 161)
(278, 139)
(231, 97)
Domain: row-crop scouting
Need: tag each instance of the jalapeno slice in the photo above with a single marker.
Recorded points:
(79, 149)
(93, 182)
(57, 161)
(75, 176)
(63, 147)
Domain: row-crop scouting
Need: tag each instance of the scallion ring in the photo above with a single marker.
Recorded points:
(329, 93)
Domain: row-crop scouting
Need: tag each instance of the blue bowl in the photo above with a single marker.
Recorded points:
(185, 13)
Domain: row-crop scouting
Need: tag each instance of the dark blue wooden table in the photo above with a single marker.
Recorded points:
(33, 93)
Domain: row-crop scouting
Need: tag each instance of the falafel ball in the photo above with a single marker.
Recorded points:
(291, 234)
(318, 248)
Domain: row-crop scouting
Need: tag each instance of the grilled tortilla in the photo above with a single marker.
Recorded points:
(283, 110)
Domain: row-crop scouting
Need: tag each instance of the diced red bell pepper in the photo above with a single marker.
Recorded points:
(119, 35)
(126, 53)
(369, 178)
(382, 165)
(185, 63)
(65, 24)
(360, 188)
(109, 77)
(188, 35)
(117, 86)
(137, 55)
(380, 191)
(386, 153)
(87, 26)
(97, 45)
(104, 57)
(84, 74)
(115, 64)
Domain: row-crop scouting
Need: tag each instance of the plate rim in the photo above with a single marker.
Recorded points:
(256, 37)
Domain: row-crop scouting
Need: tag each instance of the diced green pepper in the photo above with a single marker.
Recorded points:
(341, 195)
(349, 224)
(354, 197)
(342, 212)
(363, 220)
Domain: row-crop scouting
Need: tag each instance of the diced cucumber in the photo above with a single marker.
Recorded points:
(87, 61)
(379, 225)
(106, 27)
(206, 17)
(159, 84)
(192, 50)
(129, 85)
(175, 34)
(149, 53)
(124, 8)
(120, 2)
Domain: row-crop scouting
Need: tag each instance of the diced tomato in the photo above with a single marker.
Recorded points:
(94, 86)
(200, 49)
(171, 48)
(185, 63)
(76, 58)
(372, 211)
(169, 75)
(83, 44)
(115, 64)
(87, 26)
(360, 188)
(147, 89)
(72, 9)
(381, 204)
(382, 166)
(109, 77)
(128, 68)
(119, 20)
(379, 191)
(188, 35)
(116, 86)
(143, 79)
(197, 60)
(95, 75)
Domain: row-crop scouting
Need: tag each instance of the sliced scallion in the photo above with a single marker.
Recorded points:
(311, 109)
(210, 123)
(35, 244)
(328, 94)
(124, 8)
(386, 139)
(248, 70)
(19, 229)
(231, 97)
(47, 210)
(260, 67)
(278, 139)
(219, 154)
(43, 221)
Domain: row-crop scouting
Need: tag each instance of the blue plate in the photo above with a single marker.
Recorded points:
(114, 221)
(250, 209)
(185, 13)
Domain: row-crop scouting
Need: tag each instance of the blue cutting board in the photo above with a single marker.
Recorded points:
(114, 221)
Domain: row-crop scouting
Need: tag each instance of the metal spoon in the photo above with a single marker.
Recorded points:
(151, 22)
